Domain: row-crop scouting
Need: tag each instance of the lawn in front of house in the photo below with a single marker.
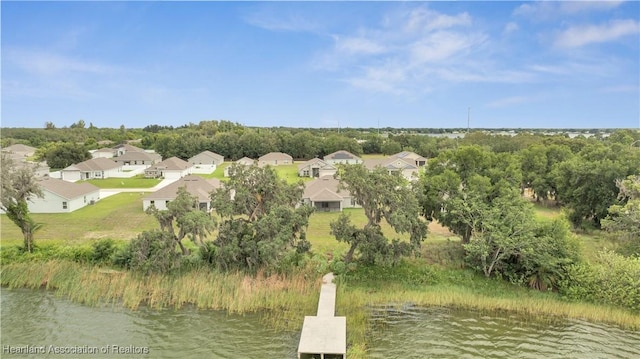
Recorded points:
(138, 181)
(119, 217)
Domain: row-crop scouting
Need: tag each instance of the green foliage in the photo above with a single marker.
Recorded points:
(151, 252)
(261, 226)
(509, 243)
(103, 251)
(614, 279)
(624, 220)
(407, 273)
(62, 155)
(382, 195)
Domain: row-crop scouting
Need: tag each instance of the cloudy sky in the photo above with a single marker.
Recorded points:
(322, 64)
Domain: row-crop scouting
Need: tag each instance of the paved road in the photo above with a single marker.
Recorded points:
(106, 192)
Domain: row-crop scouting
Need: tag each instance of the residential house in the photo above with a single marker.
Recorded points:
(102, 153)
(121, 149)
(323, 194)
(171, 168)
(20, 151)
(62, 196)
(275, 159)
(394, 165)
(138, 159)
(316, 168)
(197, 186)
(206, 162)
(343, 157)
(244, 161)
(409, 156)
(95, 168)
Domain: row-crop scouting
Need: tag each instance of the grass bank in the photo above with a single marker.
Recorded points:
(286, 299)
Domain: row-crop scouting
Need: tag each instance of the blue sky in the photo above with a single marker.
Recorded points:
(322, 64)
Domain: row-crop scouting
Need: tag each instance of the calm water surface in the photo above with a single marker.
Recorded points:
(39, 318)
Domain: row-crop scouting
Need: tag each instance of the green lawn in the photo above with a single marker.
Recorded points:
(119, 217)
(133, 182)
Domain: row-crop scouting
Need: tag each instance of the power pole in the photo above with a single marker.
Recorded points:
(468, 118)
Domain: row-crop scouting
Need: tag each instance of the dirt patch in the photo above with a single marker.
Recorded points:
(437, 228)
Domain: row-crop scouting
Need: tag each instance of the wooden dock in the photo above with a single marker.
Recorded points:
(324, 336)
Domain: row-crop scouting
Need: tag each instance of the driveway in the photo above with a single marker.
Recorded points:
(106, 192)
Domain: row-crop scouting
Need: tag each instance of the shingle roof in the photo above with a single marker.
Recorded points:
(196, 186)
(315, 161)
(245, 161)
(272, 156)
(324, 187)
(208, 154)
(67, 190)
(341, 155)
(19, 148)
(390, 163)
(128, 147)
(171, 164)
(409, 155)
(138, 156)
(94, 164)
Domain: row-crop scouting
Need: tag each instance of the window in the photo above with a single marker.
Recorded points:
(305, 173)
(85, 199)
(153, 203)
(325, 204)
(64, 205)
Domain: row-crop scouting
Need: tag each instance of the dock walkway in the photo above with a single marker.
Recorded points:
(324, 336)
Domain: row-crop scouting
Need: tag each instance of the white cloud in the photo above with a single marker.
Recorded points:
(546, 10)
(293, 21)
(46, 63)
(620, 88)
(423, 19)
(358, 45)
(510, 27)
(510, 101)
(577, 36)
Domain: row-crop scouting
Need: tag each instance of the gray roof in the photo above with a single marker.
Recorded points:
(196, 186)
(128, 147)
(390, 163)
(315, 162)
(171, 164)
(245, 161)
(273, 156)
(324, 188)
(409, 155)
(67, 190)
(138, 156)
(208, 154)
(20, 149)
(341, 155)
(94, 164)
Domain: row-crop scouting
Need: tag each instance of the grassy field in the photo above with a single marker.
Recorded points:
(119, 217)
(133, 182)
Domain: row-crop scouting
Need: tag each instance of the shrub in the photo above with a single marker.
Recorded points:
(151, 252)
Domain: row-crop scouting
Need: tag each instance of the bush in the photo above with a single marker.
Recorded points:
(151, 252)
(614, 279)
(103, 251)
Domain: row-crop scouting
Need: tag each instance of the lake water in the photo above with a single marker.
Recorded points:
(40, 319)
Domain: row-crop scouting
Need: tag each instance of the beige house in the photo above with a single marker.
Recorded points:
(62, 196)
(138, 159)
(394, 165)
(95, 168)
(20, 151)
(275, 159)
(413, 157)
(102, 153)
(195, 185)
(323, 194)
(171, 168)
(206, 162)
(244, 161)
(342, 157)
(316, 168)
(120, 150)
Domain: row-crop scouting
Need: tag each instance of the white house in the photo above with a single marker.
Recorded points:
(95, 168)
(316, 168)
(102, 153)
(196, 186)
(275, 159)
(406, 168)
(343, 157)
(206, 162)
(138, 159)
(62, 196)
(171, 168)
(409, 156)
